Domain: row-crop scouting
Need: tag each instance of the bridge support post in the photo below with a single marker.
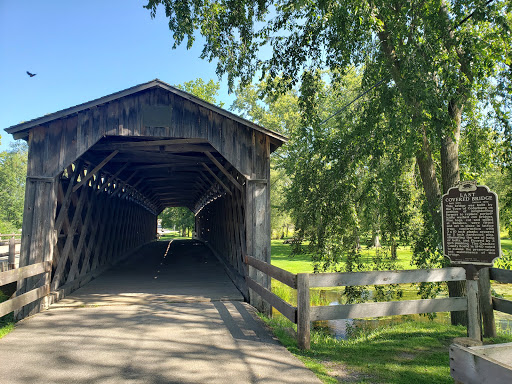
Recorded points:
(38, 237)
(258, 235)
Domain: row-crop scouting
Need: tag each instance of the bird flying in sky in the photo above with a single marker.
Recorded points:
(31, 74)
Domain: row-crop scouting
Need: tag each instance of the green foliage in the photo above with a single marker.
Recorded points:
(13, 171)
(344, 194)
(208, 91)
(281, 114)
(505, 261)
(7, 321)
(442, 69)
(177, 217)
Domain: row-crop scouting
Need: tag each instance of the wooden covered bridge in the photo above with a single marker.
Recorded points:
(100, 173)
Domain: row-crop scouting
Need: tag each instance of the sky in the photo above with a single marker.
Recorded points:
(83, 50)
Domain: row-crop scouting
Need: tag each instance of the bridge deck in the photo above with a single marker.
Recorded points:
(170, 315)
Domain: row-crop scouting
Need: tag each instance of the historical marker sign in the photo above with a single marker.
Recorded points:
(471, 233)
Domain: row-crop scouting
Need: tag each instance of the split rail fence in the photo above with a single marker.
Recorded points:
(503, 276)
(15, 275)
(304, 313)
(12, 240)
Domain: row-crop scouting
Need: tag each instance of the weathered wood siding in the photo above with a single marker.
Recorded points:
(82, 217)
(154, 113)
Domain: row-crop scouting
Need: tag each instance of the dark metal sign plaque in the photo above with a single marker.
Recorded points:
(471, 233)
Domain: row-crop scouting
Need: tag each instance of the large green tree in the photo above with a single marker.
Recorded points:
(430, 59)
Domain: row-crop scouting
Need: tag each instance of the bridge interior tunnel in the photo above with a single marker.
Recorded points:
(101, 218)
(101, 172)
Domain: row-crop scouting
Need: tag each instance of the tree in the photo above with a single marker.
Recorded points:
(178, 217)
(429, 58)
(280, 114)
(13, 171)
(207, 91)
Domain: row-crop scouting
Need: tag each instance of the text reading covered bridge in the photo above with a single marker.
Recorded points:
(100, 173)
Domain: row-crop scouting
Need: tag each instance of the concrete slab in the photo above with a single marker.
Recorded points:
(107, 339)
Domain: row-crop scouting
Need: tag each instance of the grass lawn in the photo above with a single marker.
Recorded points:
(174, 235)
(302, 263)
(408, 352)
(506, 244)
(6, 325)
(7, 321)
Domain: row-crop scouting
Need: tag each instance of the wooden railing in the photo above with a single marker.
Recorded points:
(18, 274)
(10, 263)
(501, 276)
(304, 313)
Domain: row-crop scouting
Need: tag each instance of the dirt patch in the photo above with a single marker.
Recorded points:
(340, 372)
(405, 356)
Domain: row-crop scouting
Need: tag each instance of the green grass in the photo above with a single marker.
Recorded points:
(506, 244)
(174, 235)
(7, 321)
(282, 258)
(410, 352)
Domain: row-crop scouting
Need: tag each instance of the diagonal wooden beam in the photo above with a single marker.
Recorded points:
(69, 247)
(96, 169)
(131, 176)
(206, 178)
(138, 182)
(217, 178)
(67, 197)
(224, 170)
(111, 178)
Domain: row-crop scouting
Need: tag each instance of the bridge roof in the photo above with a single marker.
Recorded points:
(20, 131)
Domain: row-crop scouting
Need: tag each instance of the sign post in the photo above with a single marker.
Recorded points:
(471, 238)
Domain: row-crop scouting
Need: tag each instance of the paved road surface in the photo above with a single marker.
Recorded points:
(171, 315)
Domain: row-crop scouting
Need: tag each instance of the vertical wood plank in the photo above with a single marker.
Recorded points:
(484, 289)
(303, 311)
(12, 253)
(474, 319)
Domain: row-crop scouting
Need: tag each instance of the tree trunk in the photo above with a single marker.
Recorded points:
(428, 176)
(450, 170)
(450, 174)
(393, 248)
(376, 241)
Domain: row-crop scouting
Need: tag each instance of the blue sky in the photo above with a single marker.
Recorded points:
(82, 50)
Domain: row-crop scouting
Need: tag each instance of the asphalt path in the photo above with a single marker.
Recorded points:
(168, 315)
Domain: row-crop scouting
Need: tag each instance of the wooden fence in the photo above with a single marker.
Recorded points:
(11, 241)
(501, 276)
(15, 275)
(304, 313)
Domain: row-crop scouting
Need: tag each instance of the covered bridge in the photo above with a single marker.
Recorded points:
(100, 173)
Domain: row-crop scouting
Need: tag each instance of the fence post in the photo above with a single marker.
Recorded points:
(484, 290)
(303, 318)
(474, 319)
(12, 253)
